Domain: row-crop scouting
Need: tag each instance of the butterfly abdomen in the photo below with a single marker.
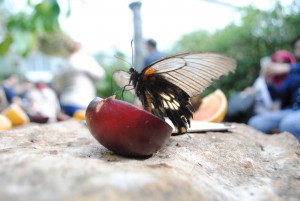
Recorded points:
(163, 99)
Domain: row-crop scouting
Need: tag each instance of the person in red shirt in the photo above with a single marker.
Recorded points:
(286, 86)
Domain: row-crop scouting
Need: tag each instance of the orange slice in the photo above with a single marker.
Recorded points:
(16, 115)
(79, 114)
(213, 107)
(5, 123)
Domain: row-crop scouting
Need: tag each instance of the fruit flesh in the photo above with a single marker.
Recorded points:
(213, 108)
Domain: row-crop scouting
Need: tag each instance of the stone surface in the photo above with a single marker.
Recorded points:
(62, 161)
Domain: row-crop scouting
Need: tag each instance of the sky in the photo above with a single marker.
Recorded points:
(106, 25)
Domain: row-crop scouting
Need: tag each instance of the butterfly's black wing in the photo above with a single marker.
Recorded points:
(166, 86)
(164, 99)
(155, 98)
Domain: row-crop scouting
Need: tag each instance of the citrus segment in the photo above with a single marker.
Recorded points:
(213, 107)
(5, 123)
(16, 115)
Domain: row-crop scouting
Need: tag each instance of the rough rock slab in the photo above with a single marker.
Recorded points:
(62, 161)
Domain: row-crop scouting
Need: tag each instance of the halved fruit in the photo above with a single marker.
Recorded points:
(5, 123)
(125, 129)
(213, 107)
(16, 115)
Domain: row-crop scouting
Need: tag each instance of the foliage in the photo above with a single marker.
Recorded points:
(22, 29)
(259, 34)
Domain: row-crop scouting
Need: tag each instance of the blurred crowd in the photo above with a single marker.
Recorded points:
(37, 99)
(71, 90)
(272, 104)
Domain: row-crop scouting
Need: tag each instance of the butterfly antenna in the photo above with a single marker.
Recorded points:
(121, 59)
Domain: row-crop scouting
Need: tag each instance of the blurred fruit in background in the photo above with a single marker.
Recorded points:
(16, 115)
(79, 115)
(213, 107)
(5, 123)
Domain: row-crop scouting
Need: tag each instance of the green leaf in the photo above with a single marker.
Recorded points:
(46, 16)
(24, 41)
(5, 44)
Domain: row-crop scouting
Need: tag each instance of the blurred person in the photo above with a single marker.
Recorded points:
(271, 101)
(253, 100)
(284, 68)
(263, 99)
(9, 83)
(3, 100)
(41, 101)
(76, 82)
(284, 85)
(152, 53)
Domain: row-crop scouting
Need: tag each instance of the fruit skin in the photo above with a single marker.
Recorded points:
(126, 129)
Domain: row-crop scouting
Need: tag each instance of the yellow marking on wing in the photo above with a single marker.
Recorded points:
(149, 103)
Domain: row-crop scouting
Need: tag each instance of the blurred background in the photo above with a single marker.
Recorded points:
(34, 34)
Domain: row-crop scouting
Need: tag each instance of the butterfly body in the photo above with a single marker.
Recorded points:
(165, 87)
(162, 98)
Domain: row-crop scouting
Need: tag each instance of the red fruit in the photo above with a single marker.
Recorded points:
(126, 129)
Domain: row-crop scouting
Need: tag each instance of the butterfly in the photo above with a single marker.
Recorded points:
(166, 86)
